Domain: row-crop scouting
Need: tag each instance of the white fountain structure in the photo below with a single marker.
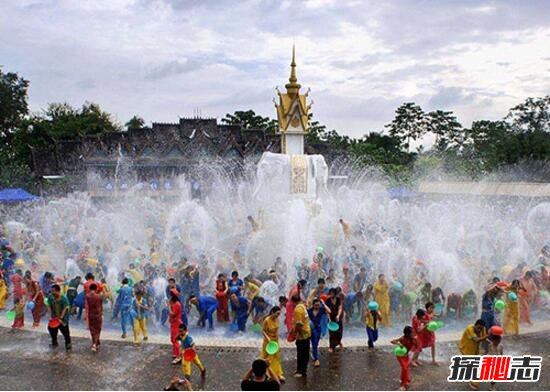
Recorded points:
(303, 176)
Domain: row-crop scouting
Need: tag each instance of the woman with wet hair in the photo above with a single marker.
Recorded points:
(336, 307)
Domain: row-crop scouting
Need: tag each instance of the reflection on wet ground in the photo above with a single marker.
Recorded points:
(27, 363)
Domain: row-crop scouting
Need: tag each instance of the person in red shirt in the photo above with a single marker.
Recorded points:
(174, 309)
(409, 341)
(418, 325)
(94, 305)
(221, 295)
(34, 294)
(17, 284)
(90, 279)
(428, 337)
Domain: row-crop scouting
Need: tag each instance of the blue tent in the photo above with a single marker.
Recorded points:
(400, 193)
(14, 195)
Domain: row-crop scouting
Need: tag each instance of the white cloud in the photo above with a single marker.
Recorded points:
(162, 59)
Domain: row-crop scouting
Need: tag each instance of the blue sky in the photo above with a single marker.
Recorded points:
(362, 59)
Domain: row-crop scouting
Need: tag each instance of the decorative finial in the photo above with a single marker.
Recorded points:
(292, 87)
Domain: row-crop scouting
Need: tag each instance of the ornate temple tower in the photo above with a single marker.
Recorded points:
(291, 172)
(292, 112)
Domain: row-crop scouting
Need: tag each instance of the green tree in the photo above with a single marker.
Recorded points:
(532, 115)
(446, 128)
(64, 122)
(250, 120)
(135, 122)
(408, 125)
(13, 102)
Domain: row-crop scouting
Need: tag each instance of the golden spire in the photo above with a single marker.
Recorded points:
(293, 86)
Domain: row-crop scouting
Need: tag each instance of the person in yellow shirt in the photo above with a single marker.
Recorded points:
(381, 291)
(270, 332)
(469, 343)
(511, 312)
(302, 331)
(134, 273)
(251, 289)
(3, 293)
(139, 312)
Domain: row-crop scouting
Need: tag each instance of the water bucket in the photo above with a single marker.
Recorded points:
(400, 351)
(54, 323)
(439, 308)
(373, 305)
(272, 347)
(513, 296)
(432, 326)
(10, 315)
(30, 305)
(496, 330)
(333, 326)
(257, 328)
(500, 305)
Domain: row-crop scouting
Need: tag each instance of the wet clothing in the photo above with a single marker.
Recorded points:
(223, 301)
(488, 310)
(235, 286)
(335, 337)
(382, 296)
(511, 317)
(303, 337)
(241, 311)
(371, 320)
(187, 343)
(467, 344)
(271, 329)
(206, 306)
(175, 320)
(94, 303)
(35, 294)
(140, 318)
(125, 302)
(317, 321)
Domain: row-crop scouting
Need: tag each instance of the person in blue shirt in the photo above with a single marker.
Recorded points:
(46, 282)
(187, 344)
(235, 284)
(350, 302)
(260, 308)
(189, 286)
(240, 307)
(488, 307)
(124, 299)
(317, 317)
(206, 306)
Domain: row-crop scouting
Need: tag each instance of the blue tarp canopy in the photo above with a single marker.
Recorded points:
(400, 192)
(13, 195)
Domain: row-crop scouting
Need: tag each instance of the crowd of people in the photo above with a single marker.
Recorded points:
(301, 303)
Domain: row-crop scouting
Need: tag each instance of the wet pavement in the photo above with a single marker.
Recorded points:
(27, 363)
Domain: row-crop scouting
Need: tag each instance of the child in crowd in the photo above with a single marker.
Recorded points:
(187, 343)
(428, 337)
(140, 307)
(409, 341)
(372, 317)
(418, 326)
